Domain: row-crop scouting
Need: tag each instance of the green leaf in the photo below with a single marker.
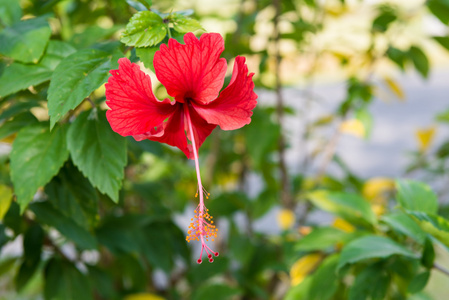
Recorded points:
(136, 5)
(32, 246)
(74, 79)
(25, 41)
(402, 223)
(371, 283)
(299, 291)
(216, 291)
(17, 107)
(20, 76)
(443, 116)
(382, 21)
(397, 56)
(435, 225)
(368, 247)
(63, 281)
(18, 122)
(324, 281)
(197, 272)
(419, 59)
(443, 41)
(5, 199)
(419, 282)
(440, 8)
(349, 206)
(428, 255)
(416, 196)
(146, 56)
(322, 238)
(37, 155)
(144, 29)
(98, 152)
(47, 214)
(10, 12)
(184, 24)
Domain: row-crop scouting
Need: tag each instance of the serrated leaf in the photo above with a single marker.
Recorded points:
(37, 155)
(74, 79)
(144, 29)
(32, 245)
(435, 225)
(10, 12)
(416, 196)
(350, 207)
(25, 41)
(50, 216)
(20, 76)
(64, 281)
(18, 122)
(420, 60)
(5, 199)
(146, 56)
(184, 24)
(98, 152)
(402, 223)
(322, 238)
(368, 247)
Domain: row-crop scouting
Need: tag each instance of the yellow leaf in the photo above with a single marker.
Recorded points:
(9, 139)
(303, 267)
(341, 224)
(5, 199)
(378, 209)
(286, 219)
(375, 189)
(143, 296)
(395, 88)
(425, 137)
(354, 127)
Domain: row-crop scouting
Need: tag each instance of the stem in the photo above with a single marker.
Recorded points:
(197, 167)
(441, 269)
(285, 185)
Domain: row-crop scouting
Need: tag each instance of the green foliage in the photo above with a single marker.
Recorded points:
(101, 216)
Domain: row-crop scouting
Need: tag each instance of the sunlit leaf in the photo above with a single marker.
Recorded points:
(144, 29)
(435, 225)
(5, 199)
(402, 223)
(10, 11)
(303, 266)
(184, 24)
(416, 196)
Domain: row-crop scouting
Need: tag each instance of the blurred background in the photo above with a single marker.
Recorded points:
(338, 189)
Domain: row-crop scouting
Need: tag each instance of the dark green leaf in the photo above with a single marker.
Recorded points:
(433, 224)
(440, 8)
(299, 291)
(228, 203)
(144, 29)
(184, 24)
(32, 245)
(102, 282)
(402, 223)
(16, 108)
(428, 255)
(382, 21)
(323, 238)
(20, 76)
(443, 41)
(420, 60)
(37, 155)
(63, 281)
(215, 291)
(47, 214)
(146, 56)
(10, 12)
(25, 41)
(371, 283)
(397, 56)
(371, 247)
(18, 122)
(416, 196)
(324, 281)
(74, 79)
(349, 206)
(207, 270)
(419, 282)
(98, 152)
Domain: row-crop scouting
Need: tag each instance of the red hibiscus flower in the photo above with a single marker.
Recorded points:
(193, 74)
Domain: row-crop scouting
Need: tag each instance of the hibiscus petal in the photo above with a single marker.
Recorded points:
(233, 108)
(193, 70)
(133, 107)
(201, 129)
(171, 132)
